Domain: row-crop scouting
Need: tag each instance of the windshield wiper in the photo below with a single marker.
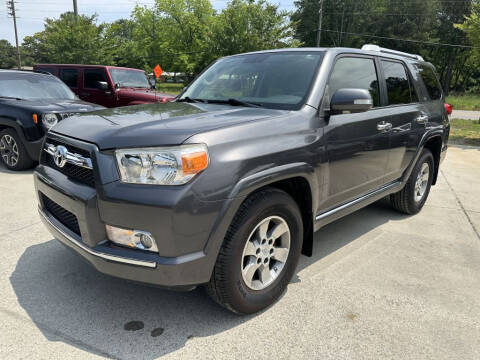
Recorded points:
(9, 97)
(190, 100)
(235, 102)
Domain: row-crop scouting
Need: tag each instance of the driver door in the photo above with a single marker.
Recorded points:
(357, 147)
(91, 91)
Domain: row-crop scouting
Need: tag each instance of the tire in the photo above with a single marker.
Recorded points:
(231, 284)
(410, 200)
(12, 151)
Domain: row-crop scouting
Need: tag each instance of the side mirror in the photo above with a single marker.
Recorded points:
(153, 83)
(351, 101)
(102, 85)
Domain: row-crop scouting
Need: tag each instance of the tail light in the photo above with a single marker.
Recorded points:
(448, 108)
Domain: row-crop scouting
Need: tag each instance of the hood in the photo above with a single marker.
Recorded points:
(156, 124)
(142, 94)
(53, 105)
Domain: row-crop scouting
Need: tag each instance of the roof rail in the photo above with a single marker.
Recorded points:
(370, 47)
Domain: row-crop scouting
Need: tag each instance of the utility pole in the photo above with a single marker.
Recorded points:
(319, 30)
(11, 9)
(75, 8)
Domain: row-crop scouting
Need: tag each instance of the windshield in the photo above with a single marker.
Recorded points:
(130, 78)
(279, 80)
(31, 86)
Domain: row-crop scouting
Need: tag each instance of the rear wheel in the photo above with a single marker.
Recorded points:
(412, 197)
(260, 253)
(12, 152)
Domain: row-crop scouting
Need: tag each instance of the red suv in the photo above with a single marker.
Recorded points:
(109, 86)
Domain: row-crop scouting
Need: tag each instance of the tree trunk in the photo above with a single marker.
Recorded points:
(448, 76)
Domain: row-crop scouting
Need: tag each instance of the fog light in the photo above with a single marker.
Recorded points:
(135, 239)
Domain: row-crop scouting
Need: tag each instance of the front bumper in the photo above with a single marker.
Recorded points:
(186, 263)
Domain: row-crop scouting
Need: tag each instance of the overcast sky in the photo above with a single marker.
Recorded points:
(32, 12)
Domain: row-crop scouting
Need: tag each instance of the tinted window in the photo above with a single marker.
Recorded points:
(275, 80)
(431, 82)
(398, 85)
(356, 73)
(69, 77)
(91, 77)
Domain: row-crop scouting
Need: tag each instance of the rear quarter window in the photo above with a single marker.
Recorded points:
(431, 81)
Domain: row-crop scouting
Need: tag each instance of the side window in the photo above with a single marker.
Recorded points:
(69, 77)
(431, 82)
(399, 90)
(358, 73)
(91, 77)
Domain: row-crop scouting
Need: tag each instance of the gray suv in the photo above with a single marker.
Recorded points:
(225, 186)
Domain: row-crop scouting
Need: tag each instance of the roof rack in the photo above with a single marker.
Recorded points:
(370, 47)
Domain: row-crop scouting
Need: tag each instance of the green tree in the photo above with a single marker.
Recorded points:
(7, 55)
(69, 40)
(248, 25)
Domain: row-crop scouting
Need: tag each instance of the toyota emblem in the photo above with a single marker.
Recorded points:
(60, 156)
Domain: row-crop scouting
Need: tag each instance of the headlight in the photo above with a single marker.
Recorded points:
(49, 120)
(162, 166)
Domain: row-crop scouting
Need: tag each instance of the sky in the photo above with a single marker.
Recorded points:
(31, 13)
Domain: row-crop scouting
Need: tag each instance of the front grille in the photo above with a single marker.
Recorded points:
(64, 216)
(74, 172)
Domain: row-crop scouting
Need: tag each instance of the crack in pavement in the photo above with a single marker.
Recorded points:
(461, 205)
(21, 228)
(66, 338)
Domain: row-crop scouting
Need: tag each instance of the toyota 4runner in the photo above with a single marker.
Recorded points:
(225, 186)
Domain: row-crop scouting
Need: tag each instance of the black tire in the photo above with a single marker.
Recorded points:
(227, 286)
(404, 200)
(23, 160)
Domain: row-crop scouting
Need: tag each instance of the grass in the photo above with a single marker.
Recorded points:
(465, 132)
(170, 88)
(464, 102)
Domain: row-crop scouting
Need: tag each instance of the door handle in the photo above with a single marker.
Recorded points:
(422, 119)
(84, 94)
(384, 126)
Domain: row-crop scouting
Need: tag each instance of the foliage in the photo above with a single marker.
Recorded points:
(69, 40)
(7, 55)
(464, 102)
(465, 132)
(249, 26)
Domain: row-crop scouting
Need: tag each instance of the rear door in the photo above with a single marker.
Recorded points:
(405, 115)
(91, 90)
(357, 150)
(70, 76)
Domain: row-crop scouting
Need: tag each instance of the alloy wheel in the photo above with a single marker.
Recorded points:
(421, 183)
(9, 150)
(265, 253)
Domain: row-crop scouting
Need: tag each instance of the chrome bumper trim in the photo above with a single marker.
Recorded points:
(149, 264)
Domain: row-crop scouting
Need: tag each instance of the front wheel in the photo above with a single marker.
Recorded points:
(260, 253)
(12, 151)
(412, 197)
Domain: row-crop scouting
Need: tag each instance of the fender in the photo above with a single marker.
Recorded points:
(245, 187)
(32, 147)
(435, 132)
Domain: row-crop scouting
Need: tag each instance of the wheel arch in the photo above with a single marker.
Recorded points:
(434, 144)
(299, 181)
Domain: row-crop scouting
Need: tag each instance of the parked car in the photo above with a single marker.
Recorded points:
(225, 186)
(109, 86)
(30, 104)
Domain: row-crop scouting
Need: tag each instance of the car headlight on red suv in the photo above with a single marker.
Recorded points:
(162, 166)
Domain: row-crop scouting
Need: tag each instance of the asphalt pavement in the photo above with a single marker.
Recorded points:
(380, 285)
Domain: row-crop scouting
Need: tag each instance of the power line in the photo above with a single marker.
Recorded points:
(405, 40)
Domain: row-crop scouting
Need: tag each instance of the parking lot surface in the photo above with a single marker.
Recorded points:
(379, 285)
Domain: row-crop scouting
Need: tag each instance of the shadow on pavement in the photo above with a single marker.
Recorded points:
(70, 302)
